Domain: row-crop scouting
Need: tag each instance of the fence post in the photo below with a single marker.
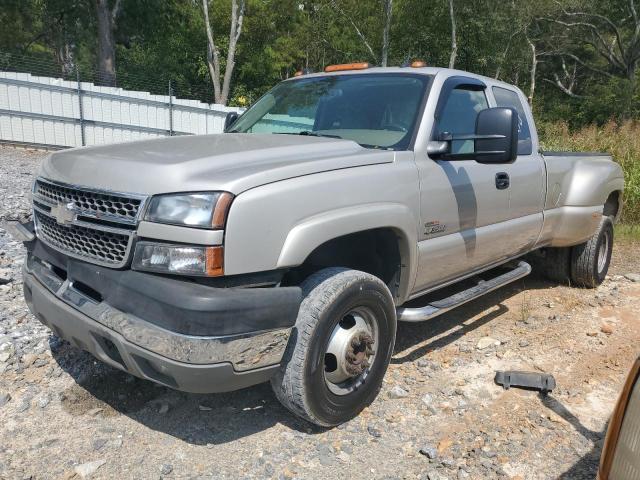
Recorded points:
(170, 109)
(80, 107)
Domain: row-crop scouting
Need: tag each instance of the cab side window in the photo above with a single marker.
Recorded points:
(509, 98)
(459, 116)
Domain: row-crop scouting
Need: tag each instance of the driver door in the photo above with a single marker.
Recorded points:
(463, 208)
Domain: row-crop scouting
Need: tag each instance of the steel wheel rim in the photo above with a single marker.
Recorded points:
(351, 351)
(603, 252)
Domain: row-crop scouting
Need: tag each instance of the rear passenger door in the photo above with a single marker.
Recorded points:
(526, 177)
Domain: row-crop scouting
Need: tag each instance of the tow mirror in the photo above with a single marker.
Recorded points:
(496, 135)
(495, 139)
(230, 120)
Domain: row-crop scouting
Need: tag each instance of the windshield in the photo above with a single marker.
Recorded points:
(375, 110)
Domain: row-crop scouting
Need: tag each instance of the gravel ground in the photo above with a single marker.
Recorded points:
(439, 415)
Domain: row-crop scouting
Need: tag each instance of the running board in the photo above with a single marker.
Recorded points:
(483, 287)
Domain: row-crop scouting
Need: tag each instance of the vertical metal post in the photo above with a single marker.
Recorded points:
(170, 109)
(80, 107)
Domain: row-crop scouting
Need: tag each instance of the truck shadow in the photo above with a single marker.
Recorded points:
(587, 466)
(198, 419)
(455, 324)
(213, 419)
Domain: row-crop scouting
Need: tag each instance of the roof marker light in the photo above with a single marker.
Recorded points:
(346, 66)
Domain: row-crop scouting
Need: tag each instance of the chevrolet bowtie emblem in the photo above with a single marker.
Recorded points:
(64, 213)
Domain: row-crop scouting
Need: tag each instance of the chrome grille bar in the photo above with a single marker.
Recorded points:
(98, 246)
(99, 204)
(96, 226)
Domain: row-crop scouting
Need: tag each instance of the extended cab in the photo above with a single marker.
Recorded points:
(287, 248)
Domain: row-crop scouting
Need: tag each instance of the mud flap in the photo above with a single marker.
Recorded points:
(543, 382)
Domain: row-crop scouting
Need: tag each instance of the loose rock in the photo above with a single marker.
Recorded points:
(486, 342)
(606, 328)
(398, 392)
(44, 400)
(6, 351)
(87, 469)
(634, 277)
(429, 451)
(5, 277)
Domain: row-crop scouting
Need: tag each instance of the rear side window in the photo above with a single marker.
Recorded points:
(509, 98)
(459, 116)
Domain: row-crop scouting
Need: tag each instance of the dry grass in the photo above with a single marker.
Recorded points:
(620, 140)
(628, 233)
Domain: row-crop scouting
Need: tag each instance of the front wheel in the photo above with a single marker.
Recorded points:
(340, 347)
(590, 260)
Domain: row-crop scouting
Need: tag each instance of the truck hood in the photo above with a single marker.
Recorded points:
(230, 162)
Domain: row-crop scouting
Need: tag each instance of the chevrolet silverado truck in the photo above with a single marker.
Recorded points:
(287, 248)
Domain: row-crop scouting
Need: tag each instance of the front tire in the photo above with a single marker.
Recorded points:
(590, 260)
(340, 347)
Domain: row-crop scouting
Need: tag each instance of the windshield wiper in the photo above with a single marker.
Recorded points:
(309, 133)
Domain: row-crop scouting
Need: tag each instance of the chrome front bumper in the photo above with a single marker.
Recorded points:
(122, 339)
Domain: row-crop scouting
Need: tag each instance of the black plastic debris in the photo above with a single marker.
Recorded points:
(543, 382)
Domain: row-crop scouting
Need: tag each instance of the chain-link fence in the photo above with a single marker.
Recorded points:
(40, 108)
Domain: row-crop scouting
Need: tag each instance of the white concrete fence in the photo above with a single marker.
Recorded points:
(44, 111)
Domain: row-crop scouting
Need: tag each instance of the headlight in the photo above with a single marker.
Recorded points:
(178, 259)
(203, 210)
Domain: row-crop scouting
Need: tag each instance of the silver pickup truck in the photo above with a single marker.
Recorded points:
(288, 248)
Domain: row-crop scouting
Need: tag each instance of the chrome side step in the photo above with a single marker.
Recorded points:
(435, 308)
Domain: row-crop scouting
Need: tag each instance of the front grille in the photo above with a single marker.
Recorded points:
(94, 245)
(115, 207)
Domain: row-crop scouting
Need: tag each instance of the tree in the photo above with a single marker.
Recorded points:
(454, 40)
(603, 38)
(221, 92)
(107, 17)
(388, 6)
(356, 29)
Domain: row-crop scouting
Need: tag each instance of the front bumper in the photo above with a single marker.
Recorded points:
(159, 351)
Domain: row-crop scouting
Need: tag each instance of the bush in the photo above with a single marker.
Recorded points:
(622, 141)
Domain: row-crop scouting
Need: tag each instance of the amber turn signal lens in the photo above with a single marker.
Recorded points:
(346, 66)
(221, 209)
(215, 261)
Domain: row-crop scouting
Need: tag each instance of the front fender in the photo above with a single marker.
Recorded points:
(312, 232)
(278, 225)
(309, 234)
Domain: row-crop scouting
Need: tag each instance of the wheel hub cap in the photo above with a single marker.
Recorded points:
(358, 353)
(350, 352)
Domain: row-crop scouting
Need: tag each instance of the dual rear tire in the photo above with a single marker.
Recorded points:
(585, 265)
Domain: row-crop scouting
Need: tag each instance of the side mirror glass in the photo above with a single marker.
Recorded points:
(230, 120)
(496, 138)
